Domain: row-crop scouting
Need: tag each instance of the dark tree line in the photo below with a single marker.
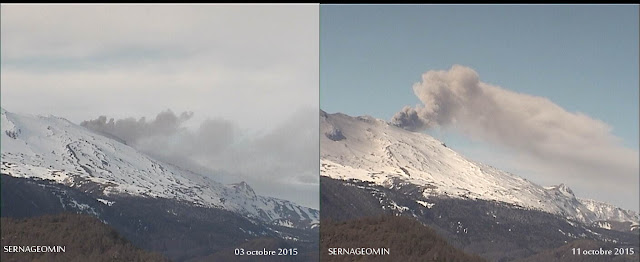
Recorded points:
(406, 238)
(85, 239)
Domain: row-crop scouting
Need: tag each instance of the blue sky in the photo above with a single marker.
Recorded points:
(582, 58)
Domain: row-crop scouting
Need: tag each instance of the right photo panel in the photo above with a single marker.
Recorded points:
(479, 133)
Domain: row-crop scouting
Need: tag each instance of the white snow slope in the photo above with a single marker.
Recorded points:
(372, 150)
(54, 148)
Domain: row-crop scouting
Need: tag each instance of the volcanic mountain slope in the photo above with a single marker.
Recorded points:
(50, 166)
(371, 150)
(53, 148)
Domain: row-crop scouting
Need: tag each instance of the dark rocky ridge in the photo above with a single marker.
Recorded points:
(494, 230)
(176, 229)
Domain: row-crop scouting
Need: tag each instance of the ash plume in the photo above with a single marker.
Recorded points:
(571, 144)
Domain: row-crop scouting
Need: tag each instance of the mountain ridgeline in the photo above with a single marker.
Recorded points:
(50, 165)
(370, 168)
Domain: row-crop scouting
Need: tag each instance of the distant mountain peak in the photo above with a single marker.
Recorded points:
(243, 187)
(563, 189)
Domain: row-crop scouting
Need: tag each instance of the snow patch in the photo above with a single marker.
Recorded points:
(425, 204)
(106, 202)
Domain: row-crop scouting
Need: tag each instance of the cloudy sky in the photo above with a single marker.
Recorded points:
(237, 85)
(549, 93)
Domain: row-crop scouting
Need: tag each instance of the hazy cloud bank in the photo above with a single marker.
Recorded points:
(282, 159)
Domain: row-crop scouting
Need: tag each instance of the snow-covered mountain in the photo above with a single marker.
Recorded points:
(52, 148)
(606, 211)
(368, 149)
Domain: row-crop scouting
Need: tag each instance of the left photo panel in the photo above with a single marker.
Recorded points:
(159, 132)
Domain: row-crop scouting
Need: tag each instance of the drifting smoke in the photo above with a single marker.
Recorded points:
(568, 143)
(165, 137)
(279, 162)
(409, 119)
(131, 130)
